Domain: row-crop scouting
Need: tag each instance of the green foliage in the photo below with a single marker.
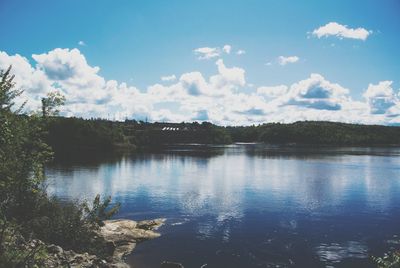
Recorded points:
(244, 134)
(72, 225)
(67, 135)
(26, 211)
(51, 102)
(7, 91)
(101, 211)
(329, 133)
(317, 133)
(15, 251)
(389, 260)
(158, 134)
(22, 154)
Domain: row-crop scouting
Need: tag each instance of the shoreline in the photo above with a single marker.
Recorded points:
(121, 237)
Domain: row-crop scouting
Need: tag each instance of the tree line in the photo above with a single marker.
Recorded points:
(71, 134)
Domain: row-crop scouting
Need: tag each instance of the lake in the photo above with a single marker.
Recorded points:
(249, 205)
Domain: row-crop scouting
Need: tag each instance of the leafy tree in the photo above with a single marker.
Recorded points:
(26, 212)
(7, 91)
(51, 102)
(22, 155)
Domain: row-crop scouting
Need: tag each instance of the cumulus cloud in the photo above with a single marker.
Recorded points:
(381, 97)
(31, 80)
(341, 31)
(228, 77)
(240, 52)
(168, 78)
(282, 60)
(68, 65)
(82, 43)
(222, 98)
(195, 84)
(66, 70)
(317, 93)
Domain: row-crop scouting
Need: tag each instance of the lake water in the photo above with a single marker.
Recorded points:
(249, 205)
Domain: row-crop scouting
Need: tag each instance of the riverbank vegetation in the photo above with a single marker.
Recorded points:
(67, 135)
(389, 260)
(27, 213)
(318, 133)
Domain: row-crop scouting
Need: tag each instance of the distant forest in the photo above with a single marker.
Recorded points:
(72, 134)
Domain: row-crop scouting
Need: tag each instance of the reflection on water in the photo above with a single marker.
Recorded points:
(250, 205)
(334, 252)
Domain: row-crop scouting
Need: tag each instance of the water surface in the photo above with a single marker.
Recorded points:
(249, 205)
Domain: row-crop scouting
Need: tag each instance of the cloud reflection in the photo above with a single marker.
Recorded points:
(225, 185)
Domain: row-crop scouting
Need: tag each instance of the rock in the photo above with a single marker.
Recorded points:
(168, 264)
(67, 258)
(124, 234)
(150, 224)
(54, 249)
(121, 237)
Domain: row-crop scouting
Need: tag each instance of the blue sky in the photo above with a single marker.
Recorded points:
(138, 42)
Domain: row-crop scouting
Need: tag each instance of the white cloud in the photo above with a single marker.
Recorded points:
(68, 65)
(240, 52)
(223, 97)
(282, 60)
(273, 91)
(206, 53)
(195, 84)
(227, 49)
(316, 93)
(168, 78)
(231, 77)
(381, 97)
(32, 81)
(82, 43)
(341, 31)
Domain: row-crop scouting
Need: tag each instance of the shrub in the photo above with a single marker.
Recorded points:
(389, 260)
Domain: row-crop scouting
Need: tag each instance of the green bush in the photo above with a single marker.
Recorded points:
(15, 251)
(72, 225)
(26, 212)
(389, 260)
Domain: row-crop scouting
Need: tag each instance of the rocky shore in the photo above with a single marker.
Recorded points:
(121, 237)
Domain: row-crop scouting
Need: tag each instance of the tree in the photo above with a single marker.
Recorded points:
(26, 211)
(7, 92)
(51, 103)
(22, 156)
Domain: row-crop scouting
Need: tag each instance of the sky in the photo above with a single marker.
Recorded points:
(228, 62)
